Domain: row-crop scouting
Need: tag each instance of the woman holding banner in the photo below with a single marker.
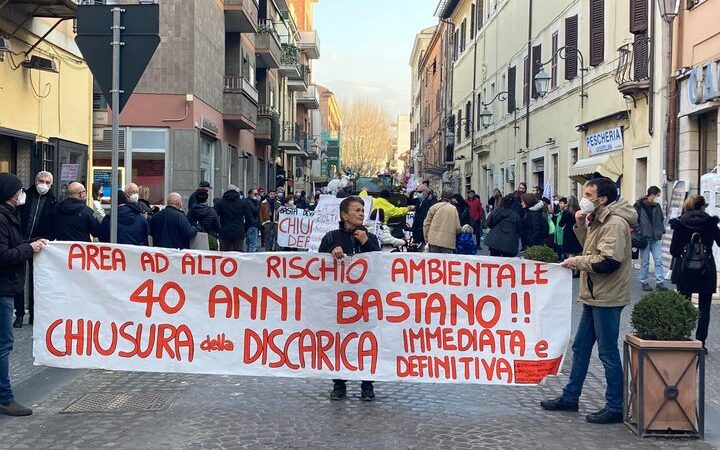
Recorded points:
(350, 238)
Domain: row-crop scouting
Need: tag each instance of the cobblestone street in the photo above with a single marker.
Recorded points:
(263, 413)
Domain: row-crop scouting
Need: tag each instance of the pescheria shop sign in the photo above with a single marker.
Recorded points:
(704, 83)
(375, 316)
(605, 141)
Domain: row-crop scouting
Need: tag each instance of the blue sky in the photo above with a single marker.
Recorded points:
(365, 47)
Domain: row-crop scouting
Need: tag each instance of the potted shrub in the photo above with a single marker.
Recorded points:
(662, 364)
(541, 253)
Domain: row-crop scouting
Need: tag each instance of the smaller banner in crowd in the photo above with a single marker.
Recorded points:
(375, 316)
(294, 227)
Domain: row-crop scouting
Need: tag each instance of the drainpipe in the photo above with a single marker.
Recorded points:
(530, 74)
(674, 108)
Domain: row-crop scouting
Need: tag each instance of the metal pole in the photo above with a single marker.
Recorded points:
(115, 92)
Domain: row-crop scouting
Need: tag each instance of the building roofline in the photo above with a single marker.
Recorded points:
(445, 8)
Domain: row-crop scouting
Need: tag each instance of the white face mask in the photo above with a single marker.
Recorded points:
(134, 198)
(42, 188)
(657, 200)
(21, 198)
(587, 206)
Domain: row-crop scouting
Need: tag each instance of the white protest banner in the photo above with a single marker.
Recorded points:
(376, 316)
(327, 218)
(294, 227)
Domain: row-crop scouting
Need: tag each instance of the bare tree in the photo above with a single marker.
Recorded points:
(366, 136)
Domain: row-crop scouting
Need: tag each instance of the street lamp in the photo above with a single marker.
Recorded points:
(669, 9)
(542, 79)
(542, 82)
(486, 115)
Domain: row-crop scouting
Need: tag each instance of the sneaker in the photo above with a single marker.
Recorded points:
(339, 391)
(558, 404)
(14, 409)
(367, 392)
(604, 417)
(646, 287)
(661, 287)
(18, 322)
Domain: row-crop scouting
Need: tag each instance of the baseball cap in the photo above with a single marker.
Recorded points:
(204, 184)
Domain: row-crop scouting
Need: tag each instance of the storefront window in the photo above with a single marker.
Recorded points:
(6, 155)
(148, 162)
(207, 161)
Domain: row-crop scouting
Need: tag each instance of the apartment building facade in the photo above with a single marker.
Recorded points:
(217, 103)
(599, 110)
(330, 126)
(696, 66)
(45, 94)
(420, 45)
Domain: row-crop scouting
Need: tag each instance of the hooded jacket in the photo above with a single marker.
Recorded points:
(535, 227)
(14, 252)
(74, 221)
(231, 210)
(683, 228)
(442, 225)
(504, 235)
(36, 214)
(606, 261)
(651, 222)
(204, 218)
(133, 229)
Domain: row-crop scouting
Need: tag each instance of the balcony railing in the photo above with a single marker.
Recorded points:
(633, 68)
(310, 44)
(234, 84)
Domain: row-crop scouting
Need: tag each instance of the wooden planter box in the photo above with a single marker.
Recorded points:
(664, 387)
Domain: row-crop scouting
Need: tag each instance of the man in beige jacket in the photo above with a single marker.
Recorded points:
(442, 225)
(606, 275)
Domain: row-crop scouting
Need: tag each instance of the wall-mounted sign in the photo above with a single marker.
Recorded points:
(209, 126)
(605, 141)
(704, 83)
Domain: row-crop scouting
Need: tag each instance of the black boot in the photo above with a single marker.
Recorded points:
(18, 322)
(339, 391)
(558, 404)
(367, 392)
(604, 417)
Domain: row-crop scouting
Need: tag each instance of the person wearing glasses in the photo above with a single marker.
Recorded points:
(74, 220)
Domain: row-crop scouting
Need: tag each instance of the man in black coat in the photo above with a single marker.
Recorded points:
(170, 227)
(36, 221)
(422, 200)
(252, 222)
(204, 186)
(231, 209)
(74, 219)
(14, 253)
(350, 238)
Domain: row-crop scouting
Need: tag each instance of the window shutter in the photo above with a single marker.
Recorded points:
(468, 115)
(597, 32)
(480, 13)
(537, 60)
(526, 86)
(638, 16)
(473, 12)
(511, 79)
(571, 43)
(640, 56)
(459, 126)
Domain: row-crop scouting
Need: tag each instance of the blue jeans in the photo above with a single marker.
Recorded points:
(6, 344)
(252, 240)
(654, 247)
(601, 325)
(270, 236)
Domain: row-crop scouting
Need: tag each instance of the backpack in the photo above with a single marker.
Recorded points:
(694, 258)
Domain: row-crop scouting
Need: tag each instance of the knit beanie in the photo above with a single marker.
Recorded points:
(9, 186)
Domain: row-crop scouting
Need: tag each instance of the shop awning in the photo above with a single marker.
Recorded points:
(608, 165)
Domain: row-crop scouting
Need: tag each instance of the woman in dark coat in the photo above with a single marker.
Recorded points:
(534, 228)
(570, 245)
(504, 224)
(463, 210)
(696, 220)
